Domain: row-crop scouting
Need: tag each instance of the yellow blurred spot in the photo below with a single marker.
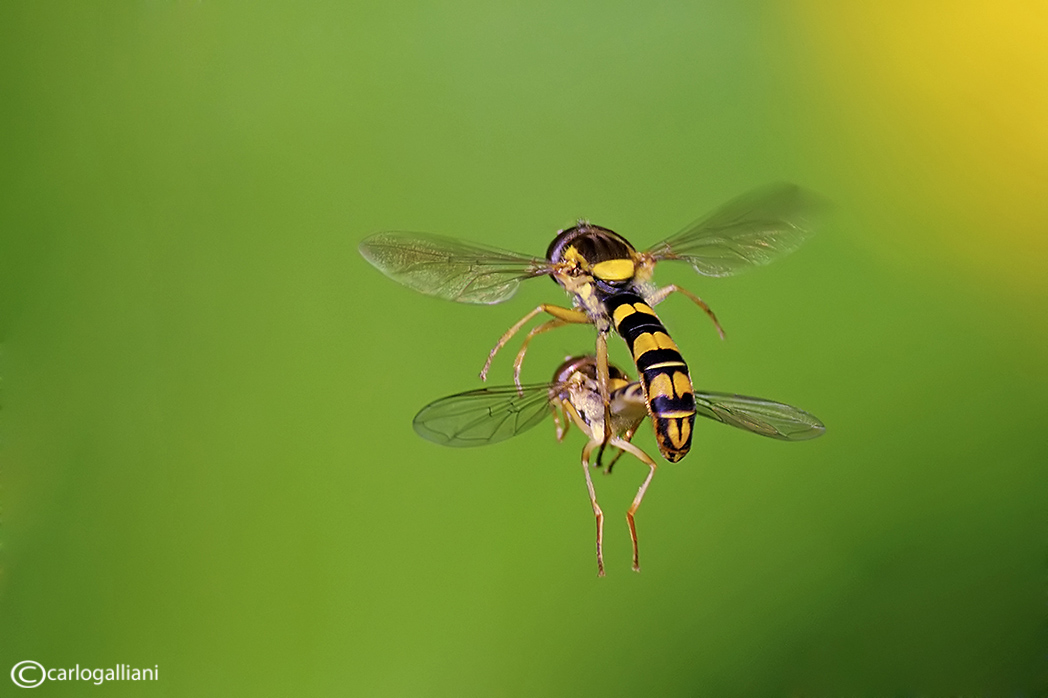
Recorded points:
(940, 110)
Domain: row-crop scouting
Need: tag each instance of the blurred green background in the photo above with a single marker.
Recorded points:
(207, 456)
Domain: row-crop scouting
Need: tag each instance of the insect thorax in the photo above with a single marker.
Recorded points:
(592, 263)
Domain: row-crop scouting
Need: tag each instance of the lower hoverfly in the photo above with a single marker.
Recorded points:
(611, 287)
(490, 415)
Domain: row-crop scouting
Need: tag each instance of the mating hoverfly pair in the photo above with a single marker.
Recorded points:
(610, 284)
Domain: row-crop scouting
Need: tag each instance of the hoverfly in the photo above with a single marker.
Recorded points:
(611, 286)
(491, 415)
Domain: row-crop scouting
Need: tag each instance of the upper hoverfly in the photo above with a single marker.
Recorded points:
(611, 286)
(490, 415)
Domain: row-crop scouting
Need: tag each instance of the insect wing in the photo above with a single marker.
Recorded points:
(481, 417)
(448, 268)
(764, 417)
(752, 230)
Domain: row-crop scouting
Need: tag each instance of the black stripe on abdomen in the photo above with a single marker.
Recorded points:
(663, 372)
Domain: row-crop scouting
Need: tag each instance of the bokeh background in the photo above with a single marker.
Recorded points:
(207, 456)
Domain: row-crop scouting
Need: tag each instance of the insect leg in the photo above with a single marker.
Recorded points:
(586, 452)
(565, 314)
(518, 363)
(627, 436)
(561, 421)
(644, 458)
(603, 379)
(660, 295)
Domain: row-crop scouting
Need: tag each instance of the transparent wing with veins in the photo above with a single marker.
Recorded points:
(450, 269)
(765, 417)
(752, 230)
(486, 416)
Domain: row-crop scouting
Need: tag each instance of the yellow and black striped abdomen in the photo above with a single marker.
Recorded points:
(667, 384)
